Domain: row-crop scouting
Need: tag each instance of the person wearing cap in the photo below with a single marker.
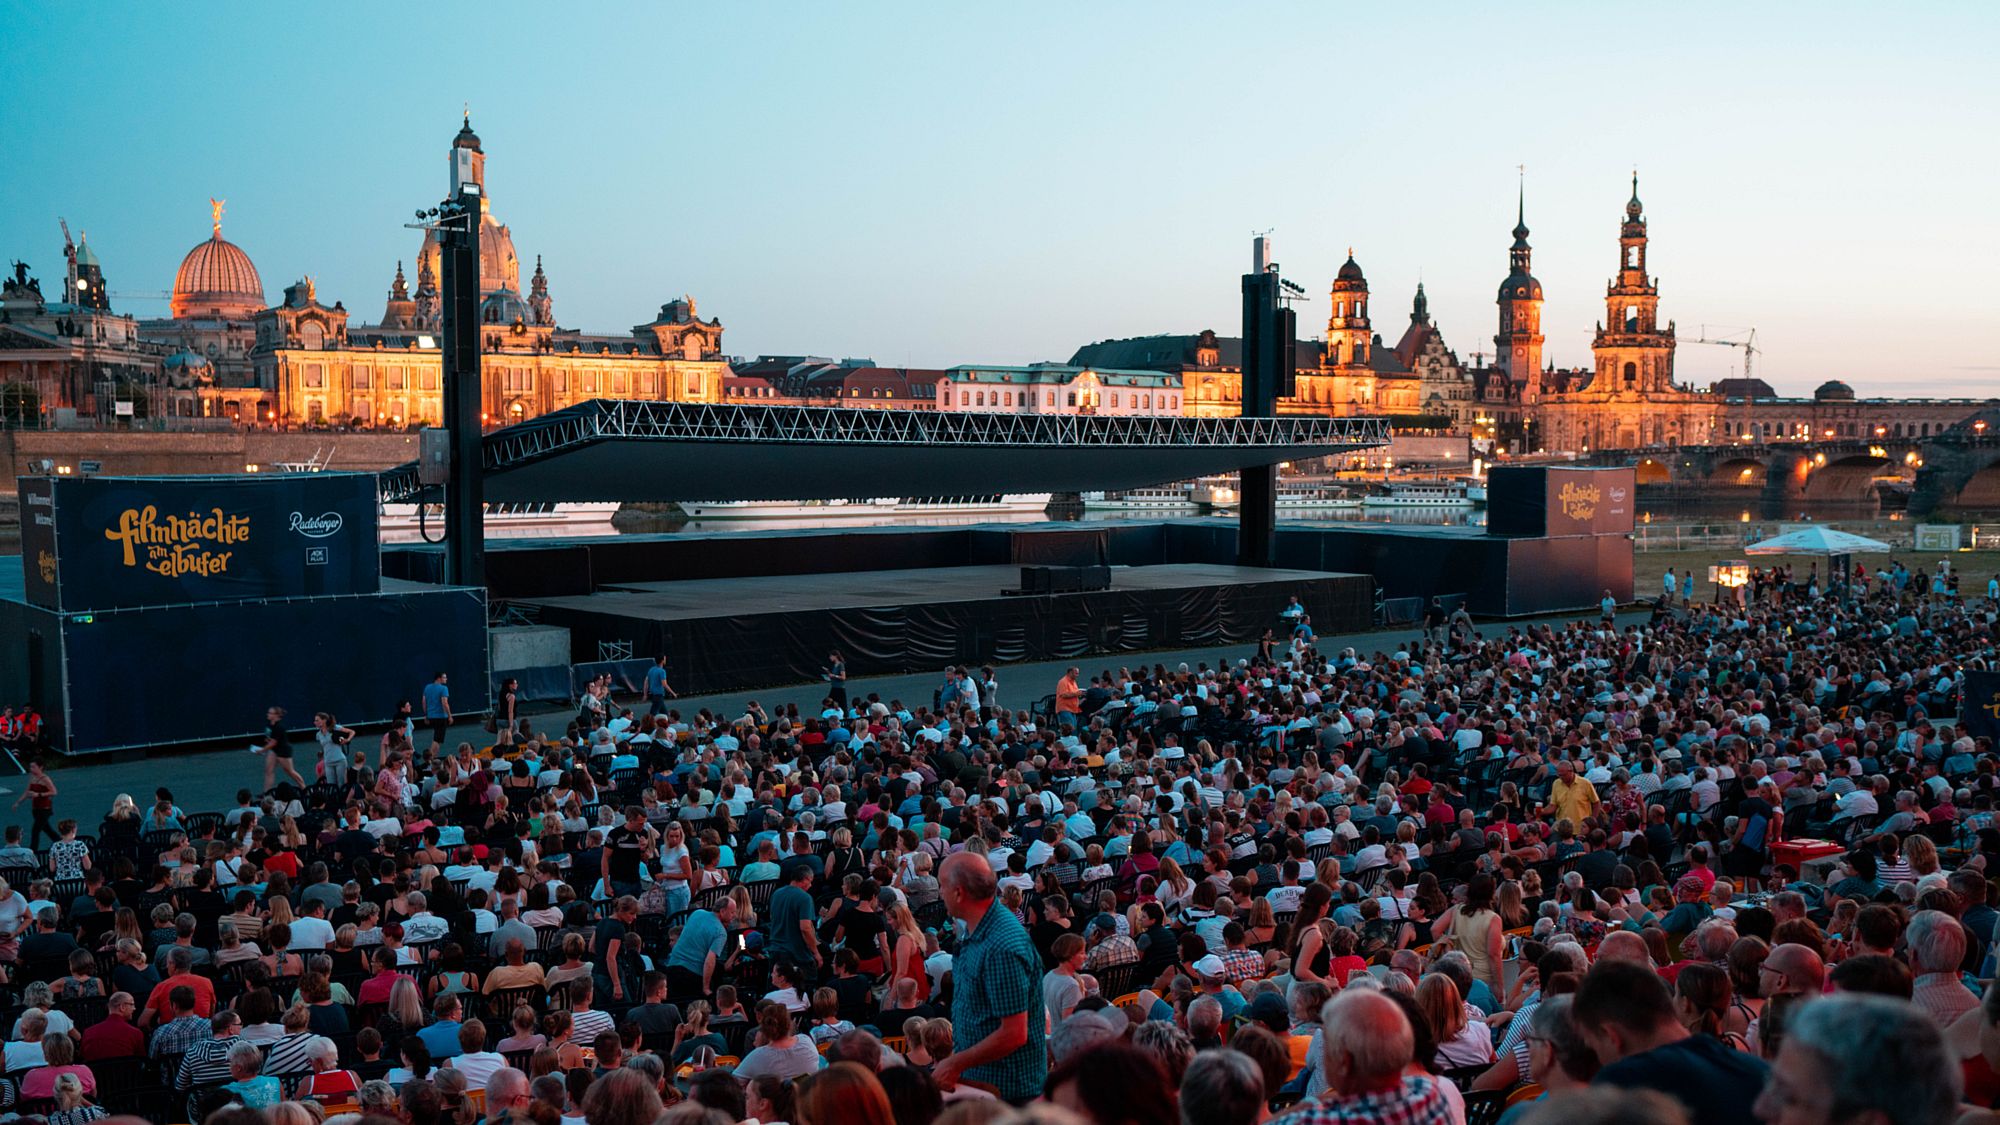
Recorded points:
(1108, 947)
(1212, 977)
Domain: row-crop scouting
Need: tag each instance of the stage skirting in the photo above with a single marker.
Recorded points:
(1499, 575)
(729, 634)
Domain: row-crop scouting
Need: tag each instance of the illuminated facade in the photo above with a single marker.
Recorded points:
(320, 370)
(1055, 388)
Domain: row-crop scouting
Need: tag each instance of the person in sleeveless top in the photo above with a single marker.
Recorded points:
(1475, 930)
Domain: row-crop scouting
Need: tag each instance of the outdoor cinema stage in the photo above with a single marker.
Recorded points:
(754, 631)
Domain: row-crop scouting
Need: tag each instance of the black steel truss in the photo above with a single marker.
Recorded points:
(626, 420)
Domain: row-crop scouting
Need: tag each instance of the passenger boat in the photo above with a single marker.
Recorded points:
(503, 518)
(1419, 494)
(876, 508)
(1158, 498)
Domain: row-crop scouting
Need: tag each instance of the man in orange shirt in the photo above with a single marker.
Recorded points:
(1069, 701)
(178, 963)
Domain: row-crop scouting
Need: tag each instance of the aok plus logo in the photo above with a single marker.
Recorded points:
(316, 527)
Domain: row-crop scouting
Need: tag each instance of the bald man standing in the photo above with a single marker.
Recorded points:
(1366, 1046)
(996, 989)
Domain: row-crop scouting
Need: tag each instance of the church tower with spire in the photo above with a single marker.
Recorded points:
(401, 312)
(1347, 331)
(541, 309)
(1634, 354)
(1518, 344)
(427, 309)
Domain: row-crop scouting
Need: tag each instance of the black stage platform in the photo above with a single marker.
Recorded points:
(730, 633)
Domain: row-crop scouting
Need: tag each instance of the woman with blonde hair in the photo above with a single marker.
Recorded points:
(404, 1014)
(72, 1106)
(746, 914)
(1175, 888)
(1921, 853)
(906, 957)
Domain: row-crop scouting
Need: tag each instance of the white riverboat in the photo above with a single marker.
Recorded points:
(1013, 503)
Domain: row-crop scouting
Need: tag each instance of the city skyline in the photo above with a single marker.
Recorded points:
(932, 213)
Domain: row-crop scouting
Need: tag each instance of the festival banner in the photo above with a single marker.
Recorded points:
(120, 542)
(1559, 500)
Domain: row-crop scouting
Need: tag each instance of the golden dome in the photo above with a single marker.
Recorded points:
(216, 279)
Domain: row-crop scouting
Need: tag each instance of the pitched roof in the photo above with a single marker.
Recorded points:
(1172, 353)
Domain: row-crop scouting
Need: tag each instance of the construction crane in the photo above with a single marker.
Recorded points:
(1742, 426)
(1748, 343)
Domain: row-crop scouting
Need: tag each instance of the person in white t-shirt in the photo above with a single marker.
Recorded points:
(311, 930)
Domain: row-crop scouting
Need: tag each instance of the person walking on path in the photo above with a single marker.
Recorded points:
(1069, 701)
(41, 791)
(657, 688)
(437, 711)
(836, 679)
(277, 749)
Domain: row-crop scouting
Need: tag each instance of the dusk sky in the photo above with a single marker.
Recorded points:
(933, 184)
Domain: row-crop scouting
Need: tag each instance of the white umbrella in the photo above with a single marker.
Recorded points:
(1817, 540)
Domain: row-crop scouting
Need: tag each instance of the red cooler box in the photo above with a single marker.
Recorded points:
(1798, 853)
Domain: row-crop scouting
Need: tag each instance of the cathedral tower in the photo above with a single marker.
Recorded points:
(1634, 354)
(1518, 344)
(1347, 332)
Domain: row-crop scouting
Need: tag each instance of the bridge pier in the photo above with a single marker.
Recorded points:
(1785, 477)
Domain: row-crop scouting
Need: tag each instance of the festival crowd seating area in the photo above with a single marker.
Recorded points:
(1731, 864)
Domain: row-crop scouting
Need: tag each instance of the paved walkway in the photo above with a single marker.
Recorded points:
(209, 780)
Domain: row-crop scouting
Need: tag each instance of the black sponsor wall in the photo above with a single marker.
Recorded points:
(119, 542)
(354, 656)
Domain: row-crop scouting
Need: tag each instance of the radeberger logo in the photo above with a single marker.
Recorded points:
(316, 527)
(175, 546)
(1579, 502)
(46, 563)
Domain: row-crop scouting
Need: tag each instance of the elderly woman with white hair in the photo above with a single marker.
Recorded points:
(327, 1081)
(249, 1084)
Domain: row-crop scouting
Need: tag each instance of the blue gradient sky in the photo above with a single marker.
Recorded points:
(941, 183)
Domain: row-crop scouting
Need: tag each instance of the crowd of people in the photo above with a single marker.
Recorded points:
(1543, 874)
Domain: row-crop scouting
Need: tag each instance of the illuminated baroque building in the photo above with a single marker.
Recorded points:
(73, 355)
(217, 294)
(318, 368)
(223, 352)
(1627, 399)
